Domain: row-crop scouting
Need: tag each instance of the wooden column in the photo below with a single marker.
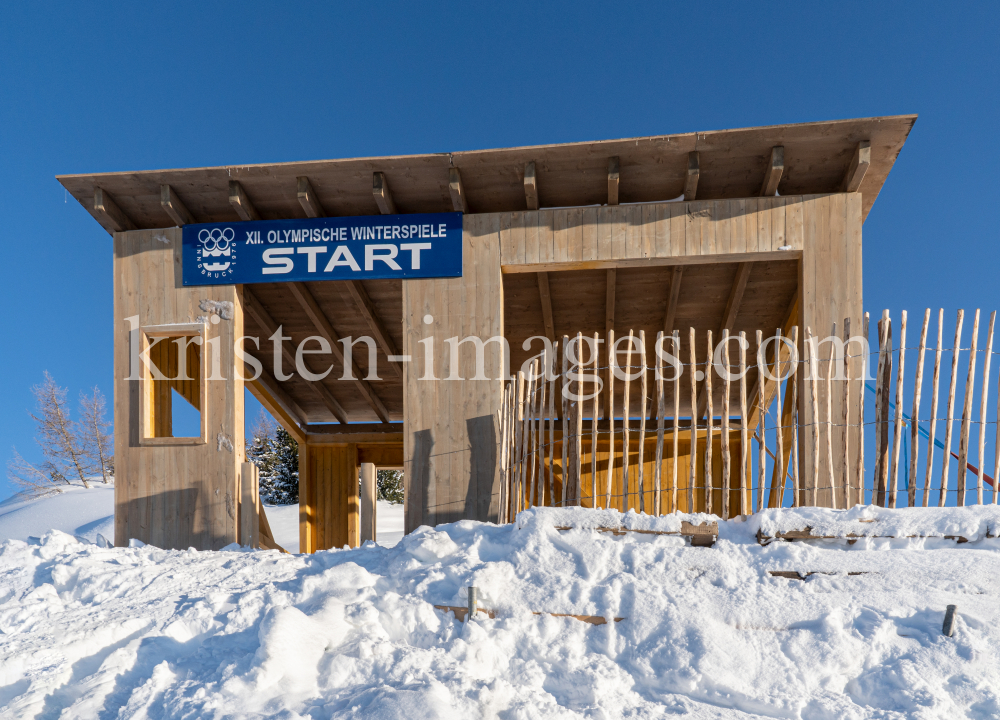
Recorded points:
(333, 496)
(368, 506)
(450, 434)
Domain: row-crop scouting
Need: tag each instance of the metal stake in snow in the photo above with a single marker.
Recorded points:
(949, 621)
(474, 597)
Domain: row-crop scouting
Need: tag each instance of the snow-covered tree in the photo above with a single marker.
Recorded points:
(276, 455)
(390, 485)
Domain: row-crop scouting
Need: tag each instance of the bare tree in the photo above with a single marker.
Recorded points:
(96, 443)
(57, 435)
(37, 480)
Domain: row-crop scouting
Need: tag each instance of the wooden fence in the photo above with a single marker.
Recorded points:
(780, 421)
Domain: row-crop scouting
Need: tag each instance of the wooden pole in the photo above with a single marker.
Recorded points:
(502, 417)
(950, 418)
(518, 442)
(935, 382)
(778, 476)
(897, 435)
(552, 423)
(861, 413)
(578, 426)
(744, 435)
(761, 426)
(811, 360)
(593, 421)
(726, 454)
(982, 407)
(609, 475)
(846, 415)
(911, 496)
(709, 426)
(565, 419)
(660, 410)
(963, 441)
(626, 412)
(677, 424)
(693, 475)
(540, 435)
(643, 391)
(532, 435)
(796, 485)
(829, 422)
(882, 411)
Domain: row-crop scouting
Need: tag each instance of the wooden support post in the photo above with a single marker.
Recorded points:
(108, 214)
(660, 410)
(369, 507)
(551, 368)
(829, 423)
(778, 474)
(812, 362)
(173, 206)
(643, 414)
(935, 383)
(796, 486)
(626, 412)
(911, 496)
(844, 434)
(564, 391)
(515, 500)
(691, 183)
(308, 200)
(857, 168)
(530, 186)
(534, 397)
(539, 438)
(984, 396)
(670, 315)
(861, 413)
(546, 298)
(761, 425)
(578, 425)
(693, 464)
(249, 506)
(382, 194)
(613, 181)
(772, 174)
(593, 420)
(609, 474)
(744, 433)
(709, 418)
(897, 435)
(882, 409)
(241, 203)
(459, 201)
(677, 425)
(950, 418)
(726, 454)
(963, 440)
(307, 503)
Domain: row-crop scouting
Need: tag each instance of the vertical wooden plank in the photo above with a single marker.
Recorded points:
(707, 216)
(911, 496)
(605, 224)
(880, 398)
(661, 242)
(793, 223)
(564, 382)
(723, 227)
(744, 434)
(812, 362)
(643, 391)
(612, 364)
(709, 426)
(829, 423)
(752, 225)
(589, 230)
(778, 223)
(648, 231)
(552, 424)
(778, 475)
(764, 216)
(677, 424)
(935, 382)
(898, 430)
(726, 455)
(693, 474)
(678, 228)
(660, 410)
(619, 232)
(761, 426)
(860, 475)
(845, 478)
(796, 486)
(626, 413)
(578, 424)
(982, 407)
(950, 418)
(970, 385)
(738, 221)
(595, 414)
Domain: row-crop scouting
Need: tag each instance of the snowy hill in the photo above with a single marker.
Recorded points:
(88, 632)
(76, 510)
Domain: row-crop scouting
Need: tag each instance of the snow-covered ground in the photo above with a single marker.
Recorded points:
(89, 632)
(88, 512)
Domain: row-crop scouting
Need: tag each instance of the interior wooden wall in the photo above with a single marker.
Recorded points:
(183, 494)
(331, 497)
(450, 432)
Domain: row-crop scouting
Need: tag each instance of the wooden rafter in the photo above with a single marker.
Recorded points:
(325, 329)
(174, 207)
(264, 321)
(546, 298)
(693, 171)
(307, 198)
(367, 308)
(277, 402)
(241, 203)
(613, 174)
(670, 316)
(107, 212)
(770, 386)
(609, 302)
(728, 320)
(383, 196)
(772, 175)
(858, 167)
(458, 199)
(530, 186)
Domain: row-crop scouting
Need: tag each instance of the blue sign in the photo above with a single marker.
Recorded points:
(338, 248)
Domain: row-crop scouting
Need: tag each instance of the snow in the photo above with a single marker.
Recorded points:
(141, 632)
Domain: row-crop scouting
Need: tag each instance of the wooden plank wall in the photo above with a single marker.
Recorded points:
(175, 496)
(450, 434)
(331, 496)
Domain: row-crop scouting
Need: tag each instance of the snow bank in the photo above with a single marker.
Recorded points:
(139, 632)
(72, 509)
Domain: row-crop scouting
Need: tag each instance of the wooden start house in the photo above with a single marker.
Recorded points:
(222, 273)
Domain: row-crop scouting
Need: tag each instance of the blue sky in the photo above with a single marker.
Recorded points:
(123, 86)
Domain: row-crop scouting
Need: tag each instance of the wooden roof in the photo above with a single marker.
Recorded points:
(732, 164)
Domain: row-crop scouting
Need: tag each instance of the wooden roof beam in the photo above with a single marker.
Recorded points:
(670, 316)
(375, 324)
(108, 214)
(546, 298)
(277, 402)
(613, 174)
(323, 327)
(609, 301)
(307, 198)
(858, 167)
(264, 321)
(693, 171)
(728, 321)
(383, 197)
(240, 201)
(458, 199)
(174, 207)
(530, 186)
(772, 175)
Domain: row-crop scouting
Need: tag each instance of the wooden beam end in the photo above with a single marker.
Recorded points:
(613, 177)
(240, 201)
(458, 199)
(174, 207)
(307, 198)
(107, 212)
(383, 197)
(530, 186)
(693, 172)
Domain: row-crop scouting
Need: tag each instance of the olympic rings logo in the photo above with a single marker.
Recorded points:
(217, 240)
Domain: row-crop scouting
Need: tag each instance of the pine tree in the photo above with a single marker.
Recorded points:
(390, 485)
(276, 455)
